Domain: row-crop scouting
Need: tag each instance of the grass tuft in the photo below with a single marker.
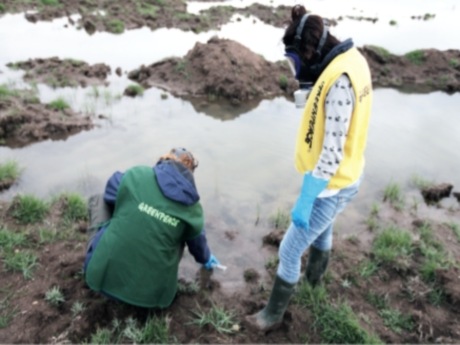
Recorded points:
(393, 195)
(9, 172)
(280, 220)
(54, 296)
(74, 207)
(28, 209)
(20, 261)
(391, 244)
(218, 318)
(59, 104)
(338, 324)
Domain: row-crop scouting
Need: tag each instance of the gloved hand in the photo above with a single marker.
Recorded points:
(212, 262)
(311, 188)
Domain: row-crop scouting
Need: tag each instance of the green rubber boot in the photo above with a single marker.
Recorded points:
(317, 264)
(271, 316)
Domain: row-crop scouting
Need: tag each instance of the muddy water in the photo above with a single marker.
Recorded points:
(246, 171)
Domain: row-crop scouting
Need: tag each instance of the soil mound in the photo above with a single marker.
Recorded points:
(24, 120)
(418, 71)
(221, 69)
(61, 73)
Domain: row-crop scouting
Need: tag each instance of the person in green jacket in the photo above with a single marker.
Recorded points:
(139, 228)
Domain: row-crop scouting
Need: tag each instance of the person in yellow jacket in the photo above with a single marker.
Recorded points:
(329, 151)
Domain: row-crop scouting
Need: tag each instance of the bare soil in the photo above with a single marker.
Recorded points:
(227, 73)
(25, 120)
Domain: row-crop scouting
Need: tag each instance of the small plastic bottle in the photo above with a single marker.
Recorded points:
(301, 95)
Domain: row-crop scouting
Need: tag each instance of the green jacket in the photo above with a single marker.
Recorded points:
(137, 258)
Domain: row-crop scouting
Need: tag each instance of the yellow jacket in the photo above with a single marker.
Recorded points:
(311, 131)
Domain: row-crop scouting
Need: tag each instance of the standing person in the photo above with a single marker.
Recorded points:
(329, 151)
(139, 229)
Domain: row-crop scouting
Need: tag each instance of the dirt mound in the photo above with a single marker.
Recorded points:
(24, 120)
(418, 71)
(61, 73)
(220, 69)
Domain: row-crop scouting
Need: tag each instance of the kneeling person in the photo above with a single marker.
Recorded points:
(139, 229)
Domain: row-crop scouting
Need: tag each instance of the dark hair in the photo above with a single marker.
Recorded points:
(310, 36)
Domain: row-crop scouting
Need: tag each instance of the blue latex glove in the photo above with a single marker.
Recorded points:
(311, 188)
(212, 262)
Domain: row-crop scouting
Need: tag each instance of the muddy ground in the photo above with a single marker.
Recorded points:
(228, 73)
(424, 308)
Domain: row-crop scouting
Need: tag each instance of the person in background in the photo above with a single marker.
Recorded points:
(329, 151)
(139, 228)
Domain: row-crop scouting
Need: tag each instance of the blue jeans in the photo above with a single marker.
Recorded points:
(319, 233)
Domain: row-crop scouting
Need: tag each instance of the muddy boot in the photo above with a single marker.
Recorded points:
(271, 316)
(317, 264)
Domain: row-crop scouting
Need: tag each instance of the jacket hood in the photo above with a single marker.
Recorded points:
(337, 50)
(176, 182)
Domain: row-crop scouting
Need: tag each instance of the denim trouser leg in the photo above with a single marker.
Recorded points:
(319, 234)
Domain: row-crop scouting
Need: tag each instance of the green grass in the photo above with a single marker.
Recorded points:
(6, 313)
(454, 63)
(155, 330)
(54, 296)
(455, 229)
(6, 92)
(392, 243)
(436, 296)
(59, 104)
(9, 171)
(272, 263)
(392, 318)
(367, 268)
(10, 240)
(28, 209)
(417, 57)
(146, 9)
(77, 308)
(135, 90)
(14, 255)
(396, 320)
(283, 81)
(337, 322)
(434, 259)
(20, 261)
(280, 220)
(420, 183)
(47, 235)
(50, 2)
(115, 26)
(379, 301)
(384, 53)
(434, 256)
(102, 336)
(218, 318)
(392, 193)
(74, 207)
(372, 224)
(372, 220)
(188, 288)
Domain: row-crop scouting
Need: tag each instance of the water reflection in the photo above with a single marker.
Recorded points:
(246, 154)
(223, 111)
